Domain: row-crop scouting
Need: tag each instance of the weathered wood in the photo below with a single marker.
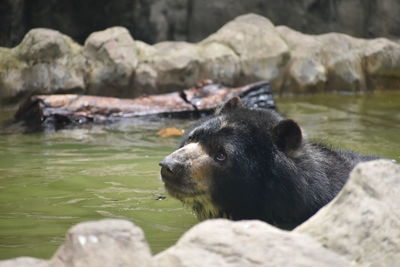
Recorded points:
(59, 111)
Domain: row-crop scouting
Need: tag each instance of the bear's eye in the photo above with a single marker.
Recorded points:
(221, 156)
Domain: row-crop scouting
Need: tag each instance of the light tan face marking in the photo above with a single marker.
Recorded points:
(202, 172)
(199, 163)
(195, 190)
(195, 184)
(204, 207)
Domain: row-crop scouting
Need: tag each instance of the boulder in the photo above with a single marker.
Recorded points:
(45, 61)
(220, 62)
(248, 49)
(245, 50)
(169, 66)
(11, 81)
(112, 58)
(363, 222)
(261, 51)
(24, 262)
(45, 45)
(381, 64)
(108, 242)
(338, 62)
(322, 62)
(305, 70)
(246, 243)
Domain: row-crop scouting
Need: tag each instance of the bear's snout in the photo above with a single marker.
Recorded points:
(171, 170)
(185, 171)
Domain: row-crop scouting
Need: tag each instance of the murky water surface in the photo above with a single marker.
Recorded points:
(51, 181)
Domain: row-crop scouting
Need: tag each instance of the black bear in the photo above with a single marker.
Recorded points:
(246, 163)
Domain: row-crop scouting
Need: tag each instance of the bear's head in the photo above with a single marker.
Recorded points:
(227, 164)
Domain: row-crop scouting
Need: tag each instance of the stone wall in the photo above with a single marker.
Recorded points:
(360, 227)
(247, 49)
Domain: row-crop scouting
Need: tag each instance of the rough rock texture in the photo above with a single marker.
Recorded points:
(363, 222)
(103, 243)
(338, 62)
(261, 51)
(246, 243)
(188, 20)
(112, 58)
(24, 262)
(168, 67)
(45, 61)
(245, 50)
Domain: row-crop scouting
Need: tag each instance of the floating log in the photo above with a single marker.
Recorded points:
(59, 111)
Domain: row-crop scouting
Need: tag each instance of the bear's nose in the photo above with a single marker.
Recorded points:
(166, 166)
(170, 168)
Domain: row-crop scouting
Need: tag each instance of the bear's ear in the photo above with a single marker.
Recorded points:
(287, 136)
(229, 105)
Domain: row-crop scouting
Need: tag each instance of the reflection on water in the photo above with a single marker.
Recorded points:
(51, 181)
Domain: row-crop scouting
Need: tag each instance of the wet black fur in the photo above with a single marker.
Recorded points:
(263, 179)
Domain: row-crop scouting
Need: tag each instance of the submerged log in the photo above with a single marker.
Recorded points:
(59, 111)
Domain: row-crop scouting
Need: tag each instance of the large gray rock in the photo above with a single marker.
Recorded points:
(219, 62)
(103, 243)
(363, 222)
(338, 62)
(46, 61)
(24, 262)
(323, 62)
(245, 50)
(261, 51)
(169, 66)
(112, 58)
(248, 49)
(246, 243)
(381, 62)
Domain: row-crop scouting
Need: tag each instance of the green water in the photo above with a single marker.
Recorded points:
(51, 181)
(368, 124)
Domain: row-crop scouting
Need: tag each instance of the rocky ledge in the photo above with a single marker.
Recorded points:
(247, 49)
(360, 227)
